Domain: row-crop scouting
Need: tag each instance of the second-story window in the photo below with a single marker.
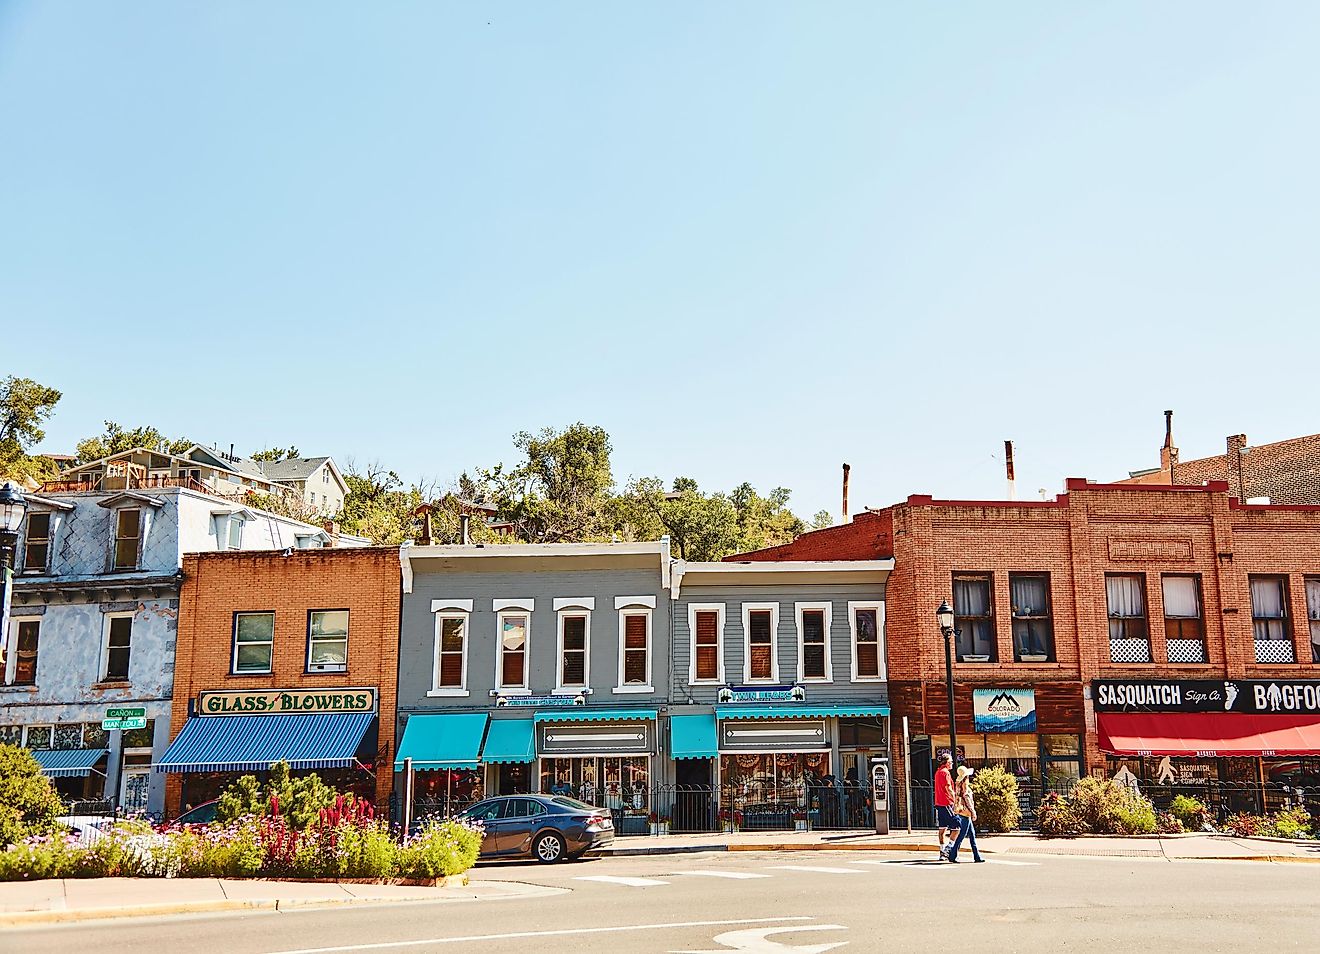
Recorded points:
(973, 611)
(118, 647)
(1313, 615)
(813, 642)
(1184, 629)
(1033, 624)
(36, 543)
(635, 665)
(1269, 619)
(573, 650)
(760, 625)
(1129, 631)
(234, 533)
(866, 642)
(706, 625)
(513, 650)
(22, 669)
(128, 538)
(451, 651)
(254, 642)
(327, 641)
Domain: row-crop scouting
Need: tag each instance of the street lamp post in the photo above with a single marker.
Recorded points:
(13, 507)
(944, 615)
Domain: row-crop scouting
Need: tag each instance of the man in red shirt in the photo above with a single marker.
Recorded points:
(944, 816)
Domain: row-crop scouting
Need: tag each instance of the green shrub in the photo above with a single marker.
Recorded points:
(1106, 807)
(441, 848)
(1292, 823)
(1055, 818)
(298, 799)
(29, 804)
(996, 793)
(1193, 815)
(1245, 825)
(1167, 823)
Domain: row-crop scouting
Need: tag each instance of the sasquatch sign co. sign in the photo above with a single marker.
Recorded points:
(1256, 696)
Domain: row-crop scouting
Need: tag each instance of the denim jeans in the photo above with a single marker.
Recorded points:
(965, 830)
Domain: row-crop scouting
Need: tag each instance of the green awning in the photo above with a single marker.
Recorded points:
(693, 736)
(509, 740)
(585, 714)
(69, 763)
(451, 740)
(798, 712)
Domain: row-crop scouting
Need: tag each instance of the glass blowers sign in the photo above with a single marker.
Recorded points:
(285, 702)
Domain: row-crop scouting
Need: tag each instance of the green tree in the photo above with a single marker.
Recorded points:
(300, 800)
(29, 804)
(117, 439)
(276, 454)
(699, 526)
(764, 521)
(822, 520)
(25, 406)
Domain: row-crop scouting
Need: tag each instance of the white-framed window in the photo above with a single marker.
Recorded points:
(128, 538)
(117, 647)
(760, 642)
(234, 533)
(254, 642)
(813, 636)
(18, 658)
(513, 630)
(866, 627)
(706, 629)
(327, 640)
(36, 542)
(635, 614)
(325, 475)
(573, 646)
(449, 662)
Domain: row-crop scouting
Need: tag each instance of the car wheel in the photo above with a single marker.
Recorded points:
(549, 848)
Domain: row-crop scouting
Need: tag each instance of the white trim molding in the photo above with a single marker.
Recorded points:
(103, 663)
(571, 609)
(579, 602)
(520, 604)
(827, 611)
(747, 610)
(621, 602)
(719, 610)
(450, 609)
(881, 666)
(645, 686)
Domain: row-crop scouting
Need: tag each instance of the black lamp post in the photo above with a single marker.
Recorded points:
(13, 507)
(944, 615)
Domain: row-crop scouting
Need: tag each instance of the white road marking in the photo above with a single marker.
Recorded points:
(469, 938)
(619, 879)
(722, 874)
(819, 870)
(757, 940)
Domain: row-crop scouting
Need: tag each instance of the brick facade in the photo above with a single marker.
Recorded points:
(1287, 472)
(366, 582)
(1077, 539)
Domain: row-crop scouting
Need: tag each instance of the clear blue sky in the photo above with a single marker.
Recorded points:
(752, 240)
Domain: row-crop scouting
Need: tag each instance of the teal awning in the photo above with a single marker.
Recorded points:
(584, 714)
(509, 740)
(451, 740)
(693, 736)
(69, 763)
(798, 712)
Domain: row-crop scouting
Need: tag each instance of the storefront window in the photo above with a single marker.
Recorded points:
(140, 738)
(446, 792)
(764, 791)
(68, 736)
(862, 733)
(38, 737)
(1060, 744)
(620, 783)
(93, 736)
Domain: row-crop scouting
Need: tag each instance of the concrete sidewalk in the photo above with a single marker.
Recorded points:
(1186, 847)
(33, 902)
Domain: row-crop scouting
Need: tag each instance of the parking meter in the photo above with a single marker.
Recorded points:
(880, 793)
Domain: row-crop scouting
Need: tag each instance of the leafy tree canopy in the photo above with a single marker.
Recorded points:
(25, 406)
(275, 454)
(117, 439)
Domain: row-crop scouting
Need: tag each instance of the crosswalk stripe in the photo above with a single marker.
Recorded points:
(819, 869)
(618, 879)
(723, 874)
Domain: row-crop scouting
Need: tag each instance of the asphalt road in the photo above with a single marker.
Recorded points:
(777, 901)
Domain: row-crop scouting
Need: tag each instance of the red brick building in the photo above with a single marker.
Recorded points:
(290, 654)
(1103, 625)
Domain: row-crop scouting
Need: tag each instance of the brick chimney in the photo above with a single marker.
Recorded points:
(1235, 464)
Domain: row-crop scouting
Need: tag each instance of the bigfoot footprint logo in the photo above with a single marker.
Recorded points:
(1230, 693)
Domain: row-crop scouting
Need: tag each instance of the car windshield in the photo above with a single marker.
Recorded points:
(573, 803)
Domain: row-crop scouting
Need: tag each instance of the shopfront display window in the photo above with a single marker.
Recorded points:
(619, 783)
(766, 792)
(446, 792)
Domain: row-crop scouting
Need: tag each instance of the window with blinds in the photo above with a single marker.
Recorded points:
(636, 664)
(813, 644)
(706, 646)
(760, 645)
(573, 662)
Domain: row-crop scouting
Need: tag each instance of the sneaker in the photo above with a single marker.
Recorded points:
(944, 852)
(979, 861)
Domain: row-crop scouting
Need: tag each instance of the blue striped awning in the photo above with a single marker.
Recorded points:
(254, 743)
(69, 763)
(798, 711)
(584, 714)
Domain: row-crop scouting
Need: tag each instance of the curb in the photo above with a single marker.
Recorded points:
(15, 919)
(773, 846)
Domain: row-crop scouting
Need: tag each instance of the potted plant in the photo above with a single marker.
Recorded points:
(799, 819)
(654, 821)
(665, 823)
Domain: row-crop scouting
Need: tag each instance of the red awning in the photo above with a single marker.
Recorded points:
(1208, 733)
